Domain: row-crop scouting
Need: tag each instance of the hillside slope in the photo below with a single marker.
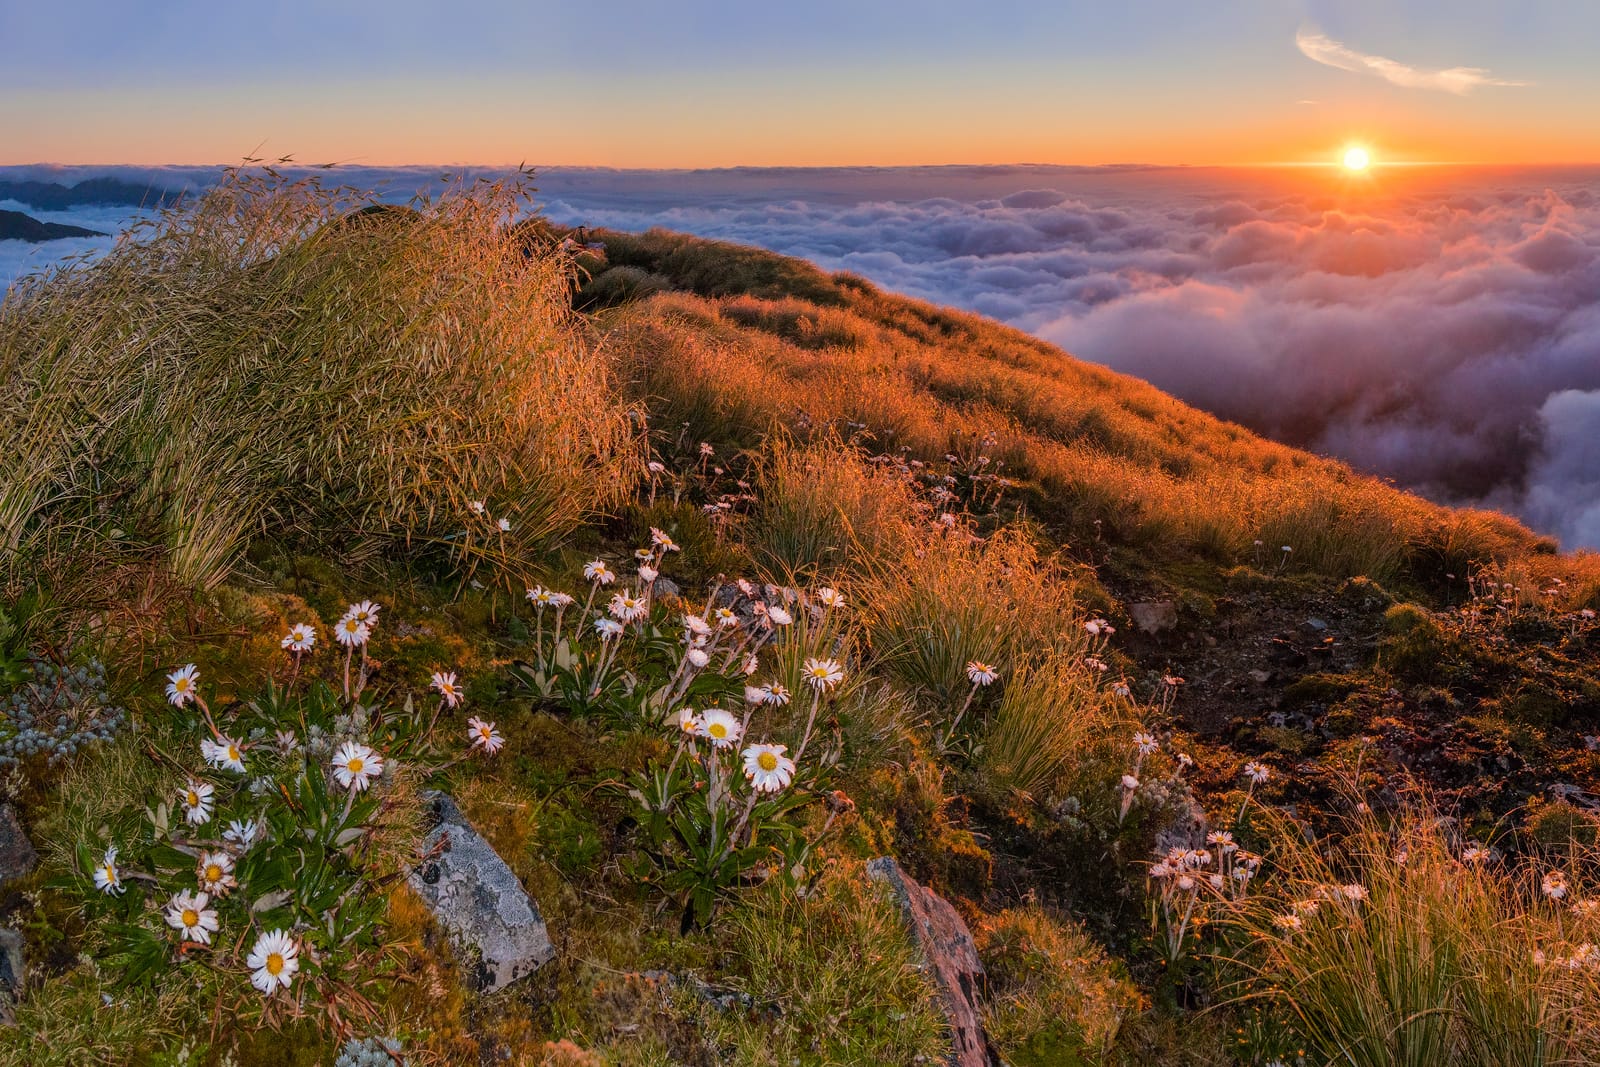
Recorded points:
(699, 578)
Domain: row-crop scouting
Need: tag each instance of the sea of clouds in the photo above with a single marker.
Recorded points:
(1437, 326)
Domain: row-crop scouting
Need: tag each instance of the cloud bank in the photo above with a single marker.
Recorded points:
(1330, 53)
(1440, 327)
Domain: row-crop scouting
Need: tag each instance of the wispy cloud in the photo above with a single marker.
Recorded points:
(1459, 80)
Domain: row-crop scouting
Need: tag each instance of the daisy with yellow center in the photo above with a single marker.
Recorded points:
(719, 727)
(300, 638)
(273, 962)
(365, 612)
(182, 683)
(352, 631)
(197, 802)
(767, 768)
(483, 735)
(627, 607)
(355, 765)
(823, 674)
(688, 722)
(215, 870)
(188, 912)
(981, 674)
(830, 597)
(107, 878)
(597, 572)
(223, 753)
(444, 683)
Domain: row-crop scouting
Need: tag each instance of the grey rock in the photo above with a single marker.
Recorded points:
(950, 955)
(1154, 616)
(665, 587)
(17, 855)
(494, 926)
(13, 971)
(1316, 625)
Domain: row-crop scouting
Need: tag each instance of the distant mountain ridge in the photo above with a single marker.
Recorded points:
(15, 226)
(53, 196)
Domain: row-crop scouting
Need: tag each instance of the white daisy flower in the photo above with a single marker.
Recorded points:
(444, 683)
(215, 872)
(607, 628)
(562, 600)
(224, 753)
(1129, 782)
(628, 607)
(188, 912)
(720, 727)
(352, 631)
(242, 833)
(1554, 885)
(698, 657)
(483, 735)
(779, 616)
(596, 571)
(648, 574)
(696, 625)
(755, 695)
(107, 878)
(661, 540)
(830, 597)
(355, 765)
(981, 674)
(1144, 743)
(540, 597)
(182, 683)
(365, 612)
(777, 694)
(273, 962)
(751, 664)
(196, 801)
(725, 617)
(1256, 772)
(300, 638)
(823, 674)
(688, 722)
(1099, 627)
(475, 506)
(767, 768)
(504, 525)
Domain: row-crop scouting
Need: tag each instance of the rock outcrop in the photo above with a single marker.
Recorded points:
(494, 926)
(17, 855)
(949, 954)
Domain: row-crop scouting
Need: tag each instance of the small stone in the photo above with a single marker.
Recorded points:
(949, 953)
(1261, 677)
(13, 972)
(1154, 616)
(17, 855)
(1316, 625)
(494, 926)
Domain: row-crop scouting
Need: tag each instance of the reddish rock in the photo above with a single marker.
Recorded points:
(949, 954)
(1155, 616)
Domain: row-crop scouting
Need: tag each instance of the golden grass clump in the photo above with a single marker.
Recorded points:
(284, 360)
(955, 600)
(1406, 946)
(824, 508)
(1052, 716)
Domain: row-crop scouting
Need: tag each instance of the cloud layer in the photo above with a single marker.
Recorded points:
(1438, 327)
(1330, 53)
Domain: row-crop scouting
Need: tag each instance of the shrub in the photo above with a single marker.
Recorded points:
(1052, 715)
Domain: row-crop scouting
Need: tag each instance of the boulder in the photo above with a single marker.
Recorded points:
(1154, 616)
(13, 970)
(949, 954)
(17, 856)
(494, 926)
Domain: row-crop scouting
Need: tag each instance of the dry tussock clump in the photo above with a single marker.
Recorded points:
(285, 360)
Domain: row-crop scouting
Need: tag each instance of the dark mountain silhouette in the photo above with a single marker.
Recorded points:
(53, 196)
(15, 226)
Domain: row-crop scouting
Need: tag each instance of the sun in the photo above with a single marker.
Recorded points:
(1356, 158)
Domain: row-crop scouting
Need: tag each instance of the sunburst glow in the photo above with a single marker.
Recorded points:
(1356, 158)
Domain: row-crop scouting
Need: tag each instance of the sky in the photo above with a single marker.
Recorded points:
(695, 83)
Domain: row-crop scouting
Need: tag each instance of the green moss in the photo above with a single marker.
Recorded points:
(1320, 689)
(1415, 645)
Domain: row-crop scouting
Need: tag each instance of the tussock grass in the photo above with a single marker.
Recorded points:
(1444, 961)
(955, 599)
(842, 969)
(277, 361)
(823, 508)
(1052, 716)
(1053, 992)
